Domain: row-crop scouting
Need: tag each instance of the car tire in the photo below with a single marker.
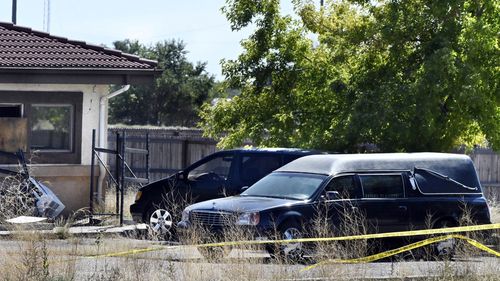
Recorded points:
(288, 252)
(444, 250)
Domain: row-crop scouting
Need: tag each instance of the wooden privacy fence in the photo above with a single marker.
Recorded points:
(487, 163)
(172, 149)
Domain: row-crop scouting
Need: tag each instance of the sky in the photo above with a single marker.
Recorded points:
(199, 23)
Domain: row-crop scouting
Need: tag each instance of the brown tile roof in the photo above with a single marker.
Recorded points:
(24, 48)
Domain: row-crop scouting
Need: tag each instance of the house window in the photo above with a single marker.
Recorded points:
(51, 130)
(11, 110)
(51, 127)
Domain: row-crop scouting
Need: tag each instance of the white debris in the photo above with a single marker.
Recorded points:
(26, 219)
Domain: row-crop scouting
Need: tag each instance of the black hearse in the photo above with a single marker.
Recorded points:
(220, 174)
(394, 192)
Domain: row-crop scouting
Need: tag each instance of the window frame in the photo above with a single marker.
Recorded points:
(29, 98)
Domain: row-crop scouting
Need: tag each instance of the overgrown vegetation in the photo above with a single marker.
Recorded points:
(175, 96)
(15, 198)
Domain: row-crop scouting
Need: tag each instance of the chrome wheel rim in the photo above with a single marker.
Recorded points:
(291, 249)
(160, 221)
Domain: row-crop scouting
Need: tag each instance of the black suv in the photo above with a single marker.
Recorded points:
(393, 192)
(221, 174)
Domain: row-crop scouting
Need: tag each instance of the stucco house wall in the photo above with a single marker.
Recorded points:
(70, 182)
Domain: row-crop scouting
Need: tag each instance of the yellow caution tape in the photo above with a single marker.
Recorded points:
(352, 237)
(131, 252)
(363, 236)
(405, 249)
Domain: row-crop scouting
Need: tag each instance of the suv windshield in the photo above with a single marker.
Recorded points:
(286, 185)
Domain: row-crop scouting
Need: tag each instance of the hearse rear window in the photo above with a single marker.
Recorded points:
(382, 186)
(431, 182)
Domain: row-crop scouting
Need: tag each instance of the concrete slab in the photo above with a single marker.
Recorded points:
(85, 231)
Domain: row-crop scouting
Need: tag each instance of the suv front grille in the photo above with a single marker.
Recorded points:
(211, 218)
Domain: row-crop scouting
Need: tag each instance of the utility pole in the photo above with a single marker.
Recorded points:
(46, 15)
(14, 11)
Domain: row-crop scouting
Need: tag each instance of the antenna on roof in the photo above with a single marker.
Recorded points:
(14, 11)
(46, 15)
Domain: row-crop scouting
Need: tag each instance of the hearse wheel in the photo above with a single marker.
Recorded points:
(160, 223)
(444, 250)
(293, 252)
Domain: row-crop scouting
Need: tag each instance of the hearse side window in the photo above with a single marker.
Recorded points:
(382, 186)
(344, 185)
(256, 166)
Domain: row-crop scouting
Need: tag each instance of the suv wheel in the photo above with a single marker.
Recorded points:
(160, 222)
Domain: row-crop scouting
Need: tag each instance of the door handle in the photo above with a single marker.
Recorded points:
(403, 208)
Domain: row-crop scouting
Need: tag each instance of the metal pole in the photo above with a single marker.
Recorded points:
(123, 177)
(185, 145)
(147, 156)
(92, 162)
(117, 173)
(14, 11)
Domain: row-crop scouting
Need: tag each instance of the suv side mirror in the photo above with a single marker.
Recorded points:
(332, 195)
(181, 175)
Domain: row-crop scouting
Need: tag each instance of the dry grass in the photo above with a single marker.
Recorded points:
(110, 202)
(32, 257)
(15, 198)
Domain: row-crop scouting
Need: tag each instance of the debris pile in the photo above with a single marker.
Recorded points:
(23, 195)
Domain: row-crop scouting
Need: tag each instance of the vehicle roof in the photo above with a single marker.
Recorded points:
(456, 166)
(279, 150)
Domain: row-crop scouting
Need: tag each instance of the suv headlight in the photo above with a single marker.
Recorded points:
(138, 195)
(185, 215)
(252, 218)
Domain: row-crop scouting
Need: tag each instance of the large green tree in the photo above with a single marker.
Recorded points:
(176, 95)
(404, 75)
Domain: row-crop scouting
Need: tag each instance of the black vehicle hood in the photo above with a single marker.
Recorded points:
(242, 204)
(168, 181)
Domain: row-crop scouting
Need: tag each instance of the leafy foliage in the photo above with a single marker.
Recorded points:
(175, 97)
(404, 75)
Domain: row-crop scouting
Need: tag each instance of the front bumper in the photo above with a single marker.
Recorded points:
(137, 211)
(222, 233)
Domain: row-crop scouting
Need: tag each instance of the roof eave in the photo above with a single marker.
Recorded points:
(78, 76)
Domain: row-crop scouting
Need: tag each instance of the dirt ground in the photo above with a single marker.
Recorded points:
(131, 259)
